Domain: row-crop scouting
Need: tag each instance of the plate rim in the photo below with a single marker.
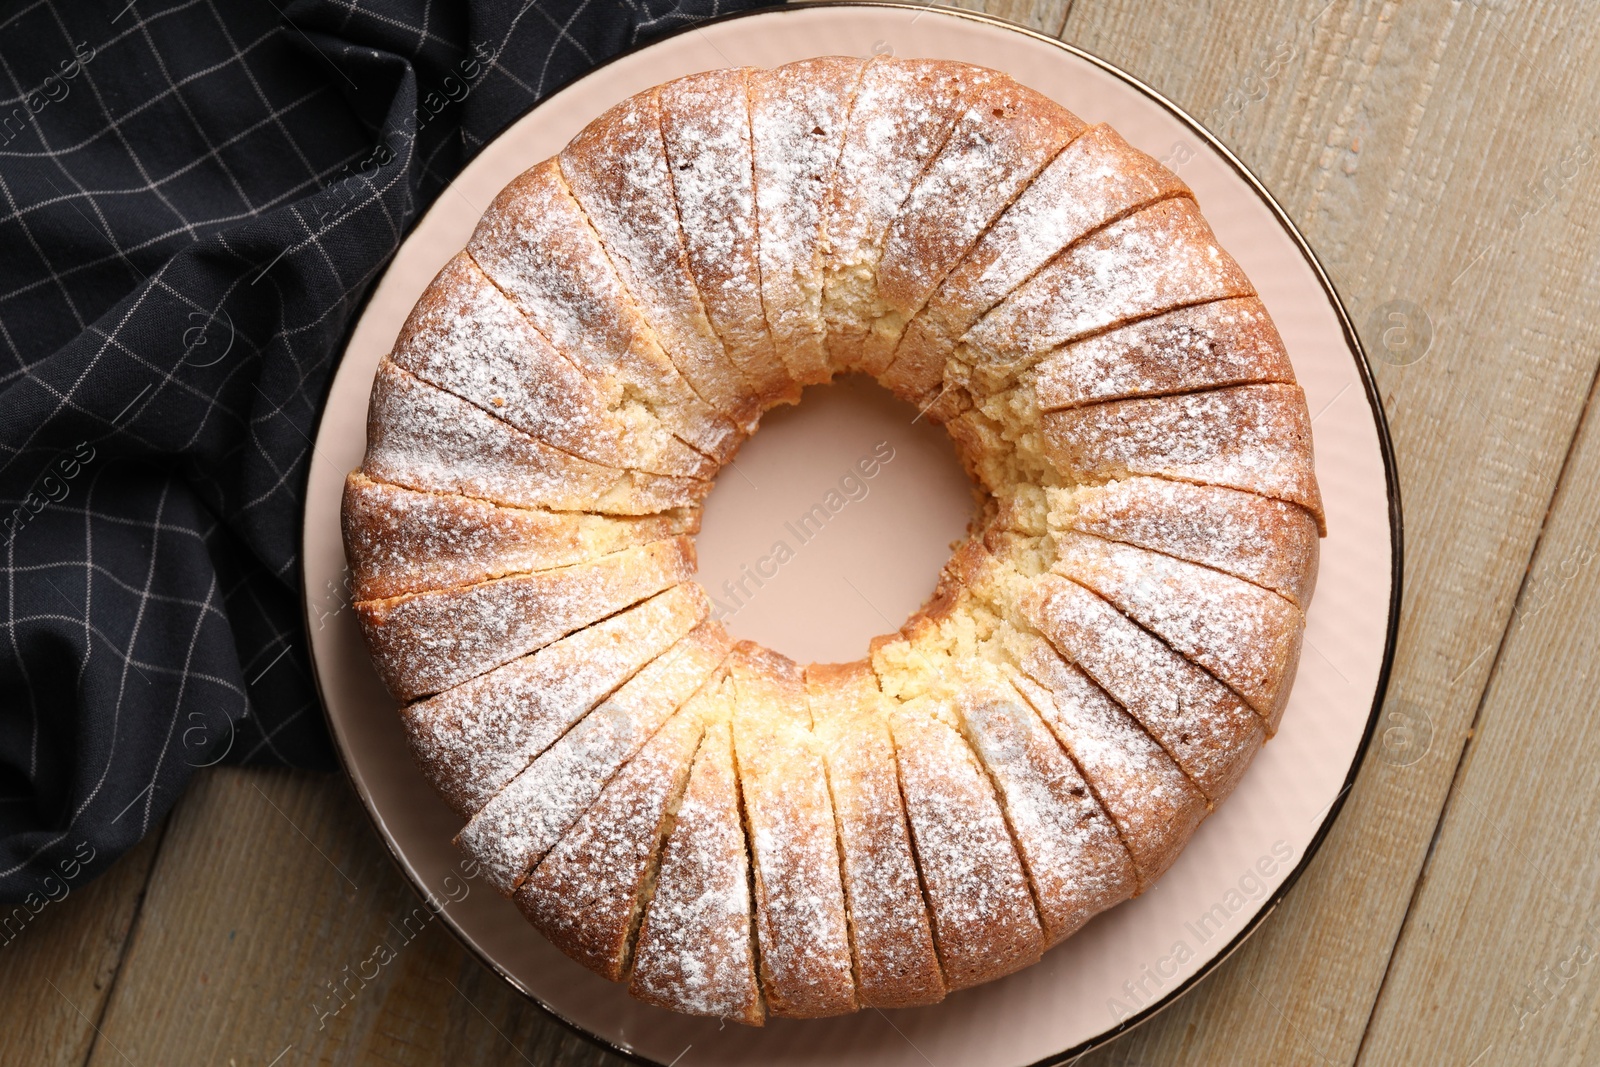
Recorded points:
(1363, 368)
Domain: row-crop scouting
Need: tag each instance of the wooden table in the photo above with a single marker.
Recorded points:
(1439, 156)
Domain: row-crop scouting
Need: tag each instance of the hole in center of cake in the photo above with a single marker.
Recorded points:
(831, 524)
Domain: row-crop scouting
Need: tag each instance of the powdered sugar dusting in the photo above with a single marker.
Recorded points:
(1205, 728)
(536, 245)
(1246, 636)
(1225, 342)
(1075, 860)
(800, 913)
(1269, 542)
(1155, 807)
(588, 894)
(984, 921)
(474, 739)
(525, 818)
(1251, 437)
(696, 946)
(797, 117)
(427, 642)
(404, 541)
(896, 964)
(705, 124)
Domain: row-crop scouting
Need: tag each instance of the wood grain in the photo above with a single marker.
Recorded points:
(1440, 157)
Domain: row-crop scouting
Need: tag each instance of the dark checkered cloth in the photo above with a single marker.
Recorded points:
(197, 196)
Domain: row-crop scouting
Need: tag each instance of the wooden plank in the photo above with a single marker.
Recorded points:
(1401, 139)
(1499, 961)
(58, 960)
(259, 939)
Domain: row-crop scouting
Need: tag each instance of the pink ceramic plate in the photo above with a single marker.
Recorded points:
(1126, 963)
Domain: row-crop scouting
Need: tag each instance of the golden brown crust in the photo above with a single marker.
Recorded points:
(1201, 346)
(588, 894)
(696, 947)
(537, 246)
(891, 937)
(800, 912)
(1269, 542)
(1251, 437)
(424, 643)
(407, 541)
(705, 124)
(616, 168)
(1097, 178)
(984, 921)
(425, 438)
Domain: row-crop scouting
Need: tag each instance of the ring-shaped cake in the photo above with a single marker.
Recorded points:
(729, 832)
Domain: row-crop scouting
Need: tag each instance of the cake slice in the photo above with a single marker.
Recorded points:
(984, 921)
(1246, 636)
(798, 117)
(1076, 862)
(537, 246)
(467, 338)
(616, 168)
(1224, 342)
(696, 951)
(424, 643)
(896, 964)
(513, 830)
(1203, 725)
(1161, 257)
(799, 899)
(403, 540)
(1269, 542)
(1098, 178)
(1005, 135)
(589, 893)
(425, 438)
(473, 740)
(705, 124)
(1251, 437)
(902, 114)
(1156, 809)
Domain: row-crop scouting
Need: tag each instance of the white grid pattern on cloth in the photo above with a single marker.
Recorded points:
(192, 174)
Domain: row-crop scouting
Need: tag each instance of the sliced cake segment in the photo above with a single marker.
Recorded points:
(537, 246)
(696, 951)
(1269, 542)
(800, 911)
(403, 540)
(515, 828)
(891, 935)
(1246, 636)
(471, 741)
(1004, 136)
(589, 893)
(616, 168)
(1203, 725)
(903, 112)
(423, 437)
(705, 124)
(1160, 257)
(1097, 178)
(798, 117)
(1224, 342)
(424, 643)
(1076, 862)
(984, 921)
(1155, 807)
(467, 338)
(1251, 437)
